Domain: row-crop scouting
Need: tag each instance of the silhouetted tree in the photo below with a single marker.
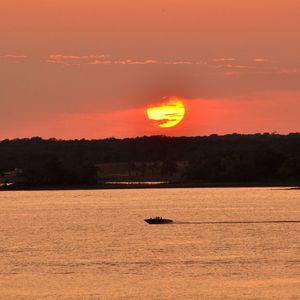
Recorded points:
(229, 158)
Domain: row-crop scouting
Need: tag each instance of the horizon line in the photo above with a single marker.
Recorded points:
(150, 136)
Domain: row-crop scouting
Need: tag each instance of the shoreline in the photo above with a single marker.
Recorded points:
(116, 186)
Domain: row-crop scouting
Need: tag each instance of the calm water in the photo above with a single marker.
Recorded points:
(95, 244)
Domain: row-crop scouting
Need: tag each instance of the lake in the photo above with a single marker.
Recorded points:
(94, 244)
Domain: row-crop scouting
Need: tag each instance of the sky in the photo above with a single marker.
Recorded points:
(90, 68)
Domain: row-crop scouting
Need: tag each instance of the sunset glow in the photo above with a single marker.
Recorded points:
(98, 69)
(120, 118)
(167, 114)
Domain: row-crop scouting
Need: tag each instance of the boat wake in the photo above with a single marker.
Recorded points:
(237, 222)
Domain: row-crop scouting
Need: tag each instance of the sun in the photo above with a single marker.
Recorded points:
(168, 113)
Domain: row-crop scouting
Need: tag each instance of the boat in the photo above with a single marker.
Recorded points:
(158, 220)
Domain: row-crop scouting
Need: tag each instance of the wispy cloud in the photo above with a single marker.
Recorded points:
(229, 66)
(77, 57)
(103, 59)
(223, 59)
(184, 62)
(12, 58)
(70, 60)
(260, 60)
(98, 59)
(100, 62)
(137, 62)
(122, 62)
(233, 69)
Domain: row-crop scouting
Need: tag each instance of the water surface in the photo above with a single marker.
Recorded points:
(225, 244)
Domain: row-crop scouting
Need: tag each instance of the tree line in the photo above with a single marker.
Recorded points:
(229, 158)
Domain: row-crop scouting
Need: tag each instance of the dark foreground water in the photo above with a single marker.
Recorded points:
(225, 244)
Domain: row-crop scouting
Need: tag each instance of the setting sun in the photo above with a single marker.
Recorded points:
(168, 113)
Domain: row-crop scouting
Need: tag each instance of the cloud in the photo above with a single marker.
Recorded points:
(105, 59)
(70, 60)
(231, 66)
(260, 60)
(122, 62)
(102, 59)
(182, 62)
(137, 62)
(100, 62)
(95, 59)
(77, 57)
(12, 58)
(228, 66)
(233, 69)
(174, 115)
(223, 59)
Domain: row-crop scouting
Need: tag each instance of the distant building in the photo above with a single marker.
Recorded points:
(13, 176)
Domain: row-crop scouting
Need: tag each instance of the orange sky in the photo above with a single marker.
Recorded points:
(89, 68)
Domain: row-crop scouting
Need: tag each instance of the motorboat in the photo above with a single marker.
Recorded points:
(158, 220)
